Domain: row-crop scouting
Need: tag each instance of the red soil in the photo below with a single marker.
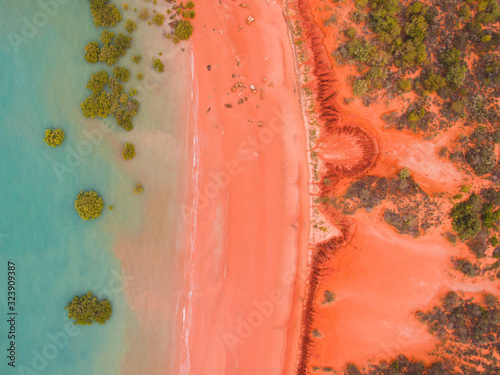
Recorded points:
(380, 277)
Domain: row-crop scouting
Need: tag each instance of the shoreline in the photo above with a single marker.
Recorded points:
(152, 255)
(255, 255)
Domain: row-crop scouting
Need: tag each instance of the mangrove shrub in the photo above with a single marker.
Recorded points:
(89, 205)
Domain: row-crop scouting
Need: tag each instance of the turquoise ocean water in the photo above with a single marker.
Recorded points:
(57, 254)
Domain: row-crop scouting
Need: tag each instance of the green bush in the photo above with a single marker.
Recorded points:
(87, 309)
(464, 12)
(92, 52)
(137, 58)
(128, 151)
(89, 205)
(112, 49)
(458, 106)
(138, 188)
(158, 65)
(123, 74)
(416, 115)
(404, 173)
(158, 19)
(466, 219)
(130, 26)
(96, 105)
(359, 87)
(433, 82)
(360, 50)
(98, 81)
(104, 14)
(404, 84)
(488, 216)
(350, 33)
(190, 5)
(54, 137)
(143, 14)
(481, 158)
(188, 14)
(450, 57)
(456, 74)
(183, 30)
(107, 37)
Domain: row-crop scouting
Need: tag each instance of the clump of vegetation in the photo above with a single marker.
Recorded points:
(89, 205)
(92, 52)
(137, 58)
(158, 65)
(328, 297)
(108, 98)
(466, 218)
(402, 44)
(104, 14)
(54, 137)
(404, 173)
(158, 19)
(130, 26)
(401, 199)
(128, 151)
(183, 30)
(359, 87)
(190, 5)
(404, 365)
(110, 51)
(404, 84)
(122, 74)
(188, 14)
(88, 309)
(143, 14)
(138, 188)
(352, 369)
(467, 329)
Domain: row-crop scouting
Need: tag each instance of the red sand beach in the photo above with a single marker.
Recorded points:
(249, 233)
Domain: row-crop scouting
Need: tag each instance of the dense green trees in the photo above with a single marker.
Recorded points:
(158, 65)
(54, 137)
(130, 26)
(88, 309)
(136, 58)
(108, 98)
(89, 205)
(158, 19)
(120, 73)
(92, 52)
(183, 30)
(104, 14)
(110, 51)
(128, 151)
(466, 219)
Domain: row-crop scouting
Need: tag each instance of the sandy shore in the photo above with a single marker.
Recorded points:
(248, 249)
(151, 251)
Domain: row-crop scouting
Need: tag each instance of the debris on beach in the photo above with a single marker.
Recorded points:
(260, 124)
(228, 105)
(250, 19)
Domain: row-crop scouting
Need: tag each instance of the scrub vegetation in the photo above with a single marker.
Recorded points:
(89, 205)
(54, 137)
(88, 309)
